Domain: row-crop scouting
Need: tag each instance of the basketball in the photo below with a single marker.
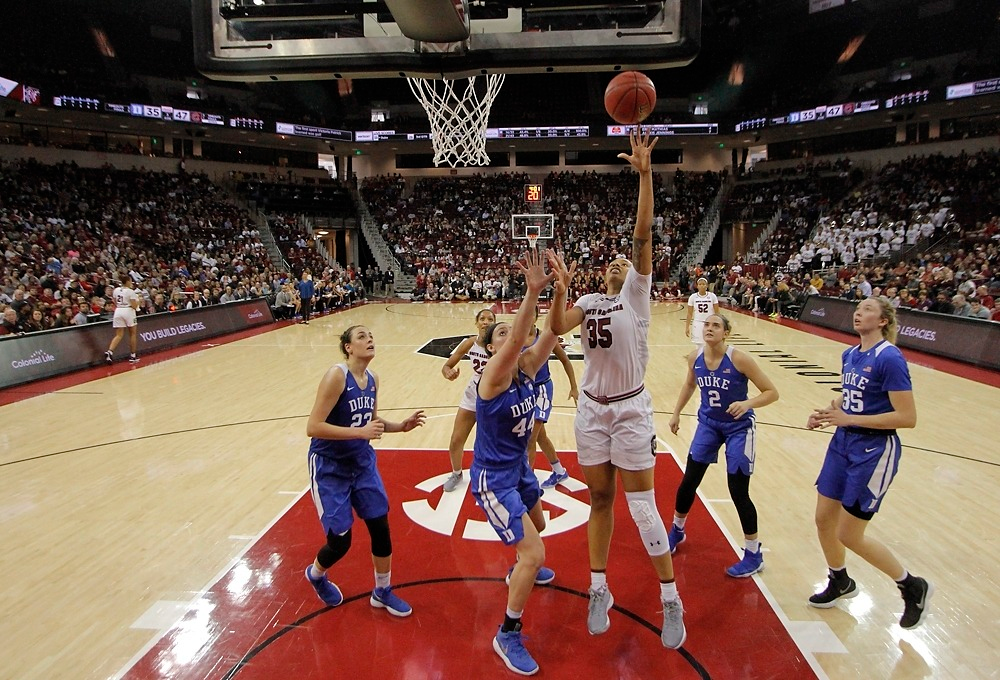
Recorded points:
(630, 97)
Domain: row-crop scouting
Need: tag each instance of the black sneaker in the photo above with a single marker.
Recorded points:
(834, 591)
(915, 594)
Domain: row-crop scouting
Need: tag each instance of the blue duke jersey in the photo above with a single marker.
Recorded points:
(543, 375)
(504, 423)
(720, 388)
(354, 408)
(869, 376)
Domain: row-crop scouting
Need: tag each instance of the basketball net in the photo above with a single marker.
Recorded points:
(532, 242)
(458, 118)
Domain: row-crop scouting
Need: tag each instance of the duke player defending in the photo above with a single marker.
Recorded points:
(701, 305)
(502, 481)
(614, 423)
(726, 416)
(343, 474)
(126, 302)
(543, 385)
(475, 347)
(863, 457)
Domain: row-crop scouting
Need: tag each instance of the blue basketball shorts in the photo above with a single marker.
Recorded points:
(859, 468)
(739, 436)
(505, 495)
(543, 404)
(340, 486)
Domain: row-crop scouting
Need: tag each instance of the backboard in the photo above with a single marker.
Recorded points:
(274, 40)
(532, 227)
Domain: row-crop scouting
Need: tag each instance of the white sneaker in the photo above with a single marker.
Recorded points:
(453, 481)
(601, 602)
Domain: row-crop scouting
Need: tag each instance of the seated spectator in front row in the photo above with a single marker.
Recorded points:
(961, 307)
(977, 311)
(284, 306)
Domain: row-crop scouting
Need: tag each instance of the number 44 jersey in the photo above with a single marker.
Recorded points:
(614, 337)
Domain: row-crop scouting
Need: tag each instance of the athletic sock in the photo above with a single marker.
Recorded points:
(679, 522)
(558, 468)
(598, 579)
(753, 545)
(668, 591)
(382, 580)
(314, 573)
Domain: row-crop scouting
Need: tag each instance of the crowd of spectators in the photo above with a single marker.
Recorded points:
(454, 234)
(68, 233)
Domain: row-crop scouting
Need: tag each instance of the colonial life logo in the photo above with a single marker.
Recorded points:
(39, 356)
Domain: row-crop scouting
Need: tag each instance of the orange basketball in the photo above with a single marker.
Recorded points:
(630, 97)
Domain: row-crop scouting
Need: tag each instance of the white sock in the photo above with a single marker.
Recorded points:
(457, 473)
(513, 614)
(314, 573)
(679, 522)
(753, 545)
(903, 577)
(558, 468)
(382, 580)
(598, 579)
(668, 591)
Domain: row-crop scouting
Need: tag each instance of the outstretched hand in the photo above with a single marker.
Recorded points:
(642, 148)
(563, 276)
(535, 277)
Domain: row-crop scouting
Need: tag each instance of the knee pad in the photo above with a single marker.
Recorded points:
(642, 507)
(378, 528)
(336, 547)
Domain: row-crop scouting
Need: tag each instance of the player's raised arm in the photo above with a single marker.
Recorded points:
(642, 235)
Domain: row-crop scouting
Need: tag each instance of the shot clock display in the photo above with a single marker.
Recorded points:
(532, 193)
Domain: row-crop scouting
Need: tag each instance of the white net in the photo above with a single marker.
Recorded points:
(458, 117)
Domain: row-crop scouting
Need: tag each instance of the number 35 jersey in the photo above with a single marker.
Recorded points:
(614, 337)
(869, 376)
(354, 408)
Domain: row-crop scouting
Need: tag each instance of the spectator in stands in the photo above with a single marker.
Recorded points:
(864, 286)
(941, 305)
(960, 306)
(197, 301)
(12, 325)
(227, 296)
(977, 311)
(80, 318)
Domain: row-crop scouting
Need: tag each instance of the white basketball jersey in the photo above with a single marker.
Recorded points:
(613, 335)
(478, 356)
(704, 306)
(124, 297)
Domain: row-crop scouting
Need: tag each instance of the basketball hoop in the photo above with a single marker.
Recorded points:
(533, 241)
(458, 119)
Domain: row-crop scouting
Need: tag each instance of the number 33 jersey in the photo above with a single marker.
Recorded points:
(614, 337)
(869, 376)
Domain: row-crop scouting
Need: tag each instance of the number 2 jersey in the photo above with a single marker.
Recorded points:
(720, 388)
(504, 423)
(354, 408)
(614, 337)
(869, 376)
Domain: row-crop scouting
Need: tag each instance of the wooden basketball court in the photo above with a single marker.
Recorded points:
(154, 524)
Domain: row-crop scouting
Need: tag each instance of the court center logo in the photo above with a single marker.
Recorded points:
(445, 517)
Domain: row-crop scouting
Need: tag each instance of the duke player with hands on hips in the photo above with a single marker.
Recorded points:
(502, 480)
(863, 457)
(126, 304)
(475, 347)
(343, 473)
(614, 428)
(701, 305)
(726, 416)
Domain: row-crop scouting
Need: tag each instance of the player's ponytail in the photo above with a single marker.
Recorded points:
(891, 327)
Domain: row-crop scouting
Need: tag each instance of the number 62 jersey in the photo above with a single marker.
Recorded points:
(614, 337)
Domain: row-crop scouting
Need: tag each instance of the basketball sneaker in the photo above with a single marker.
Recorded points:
(751, 563)
(133, 359)
(836, 589)
(384, 598)
(675, 537)
(916, 592)
(328, 592)
(454, 479)
(673, 634)
(542, 576)
(109, 357)
(555, 479)
(511, 649)
(601, 602)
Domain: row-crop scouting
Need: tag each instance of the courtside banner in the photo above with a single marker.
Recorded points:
(973, 341)
(24, 358)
